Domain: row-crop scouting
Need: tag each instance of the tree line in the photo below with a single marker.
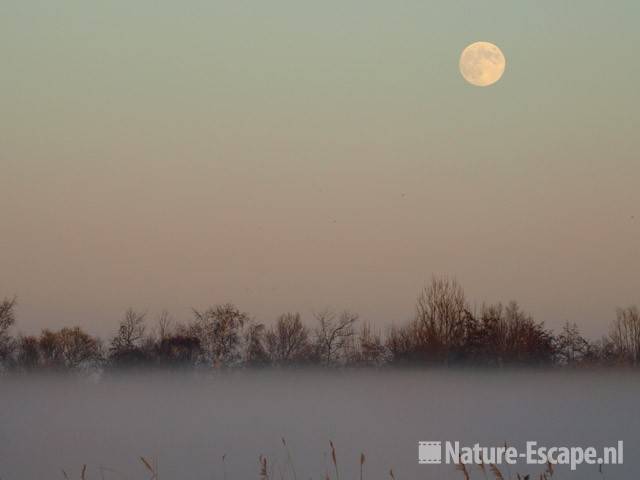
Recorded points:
(444, 331)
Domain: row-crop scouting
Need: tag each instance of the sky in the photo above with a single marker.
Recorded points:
(293, 155)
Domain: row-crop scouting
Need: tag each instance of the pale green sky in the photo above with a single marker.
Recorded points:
(293, 155)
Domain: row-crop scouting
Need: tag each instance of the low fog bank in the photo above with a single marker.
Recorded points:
(187, 421)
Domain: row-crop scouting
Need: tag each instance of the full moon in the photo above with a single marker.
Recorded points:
(482, 64)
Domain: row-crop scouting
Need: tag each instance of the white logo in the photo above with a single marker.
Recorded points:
(429, 452)
(456, 454)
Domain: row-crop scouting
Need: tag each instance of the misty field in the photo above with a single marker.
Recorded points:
(217, 425)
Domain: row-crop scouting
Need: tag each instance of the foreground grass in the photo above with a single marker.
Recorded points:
(267, 470)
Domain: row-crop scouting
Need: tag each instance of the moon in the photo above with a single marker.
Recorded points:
(482, 64)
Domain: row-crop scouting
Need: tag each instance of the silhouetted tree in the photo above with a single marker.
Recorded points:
(178, 351)
(7, 320)
(401, 343)
(165, 325)
(255, 352)
(441, 317)
(130, 331)
(28, 352)
(78, 348)
(70, 348)
(570, 347)
(129, 347)
(599, 352)
(625, 334)
(50, 349)
(368, 348)
(509, 335)
(288, 340)
(219, 331)
(333, 334)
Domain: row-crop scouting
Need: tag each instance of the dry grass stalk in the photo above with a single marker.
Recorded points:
(151, 468)
(335, 461)
(289, 459)
(224, 467)
(496, 471)
(482, 469)
(264, 471)
(549, 469)
(83, 473)
(462, 468)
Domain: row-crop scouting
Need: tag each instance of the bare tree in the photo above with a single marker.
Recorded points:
(177, 350)
(69, 347)
(165, 325)
(50, 349)
(7, 320)
(255, 352)
(288, 340)
(128, 346)
(219, 331)
(78, 348)
(495, 329)
(130, 332)
(509, 335)
(401, 342)
(625, 334)
(441, 317)
(571, 347)
(333, 334)
(367, 347)
(28, 356)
